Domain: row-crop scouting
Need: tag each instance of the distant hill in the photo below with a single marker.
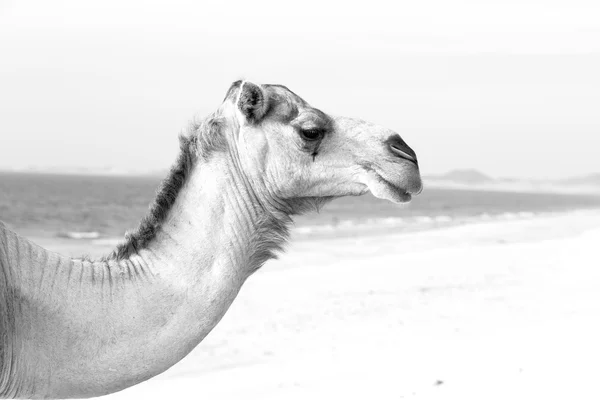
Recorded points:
(473, 179)
(593, 180)
(465, 176)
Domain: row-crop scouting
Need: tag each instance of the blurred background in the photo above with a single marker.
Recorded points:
(499, 99)
(499, 95)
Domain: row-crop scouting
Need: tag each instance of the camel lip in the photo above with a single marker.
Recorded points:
(400, 194)
(405, 197)
(379, 184)
(404, 192)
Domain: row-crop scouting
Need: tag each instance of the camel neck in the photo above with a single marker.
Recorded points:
(214, 236)
(218, 222)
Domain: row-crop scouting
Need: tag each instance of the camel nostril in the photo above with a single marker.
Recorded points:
(399, 148)
(403, 154)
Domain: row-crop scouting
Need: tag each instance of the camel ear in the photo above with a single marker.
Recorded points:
(252, 102)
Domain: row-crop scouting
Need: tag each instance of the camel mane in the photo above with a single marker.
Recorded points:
(201, 139)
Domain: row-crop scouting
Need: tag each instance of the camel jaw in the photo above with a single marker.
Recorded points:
(386, 190)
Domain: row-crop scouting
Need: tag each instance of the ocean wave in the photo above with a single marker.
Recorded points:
(443, 218)
(336, 225)
(373, 224)
(406, 223)
(516, 215)
(79, 235)
(423, 219)
(526, 214)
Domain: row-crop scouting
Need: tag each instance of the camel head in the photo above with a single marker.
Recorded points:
(294, 151)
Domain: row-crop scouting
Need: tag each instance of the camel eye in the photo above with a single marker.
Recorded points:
(312, 134)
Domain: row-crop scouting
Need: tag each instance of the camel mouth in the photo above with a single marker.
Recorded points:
(399, 194)
(382, 188)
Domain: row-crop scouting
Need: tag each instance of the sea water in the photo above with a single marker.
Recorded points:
(81, 207)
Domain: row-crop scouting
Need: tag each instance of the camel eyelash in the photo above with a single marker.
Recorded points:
(312, 134)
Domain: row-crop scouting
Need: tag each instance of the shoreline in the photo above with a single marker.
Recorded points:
(343, 234)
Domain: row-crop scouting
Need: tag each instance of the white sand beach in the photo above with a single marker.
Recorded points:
(495, 310)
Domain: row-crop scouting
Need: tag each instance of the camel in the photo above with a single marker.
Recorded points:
(84, 328)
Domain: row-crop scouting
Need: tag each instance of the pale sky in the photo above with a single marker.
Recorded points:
(509, 87)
